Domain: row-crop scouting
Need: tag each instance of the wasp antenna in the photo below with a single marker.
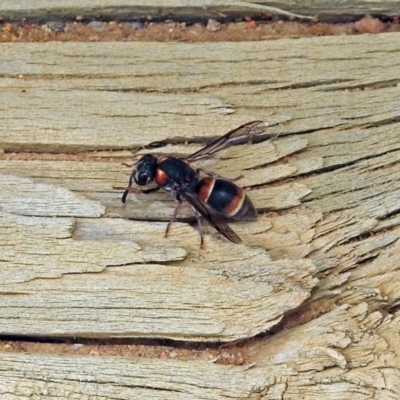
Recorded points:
(124, 196)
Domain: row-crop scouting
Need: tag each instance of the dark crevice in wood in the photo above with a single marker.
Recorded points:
(389, 215)
(368, 259)
(393, 309)
(347, 164)
(373, 85)
(304, 85)
(383, 122)
(173, 343)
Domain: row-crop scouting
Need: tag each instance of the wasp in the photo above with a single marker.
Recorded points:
(212, 197)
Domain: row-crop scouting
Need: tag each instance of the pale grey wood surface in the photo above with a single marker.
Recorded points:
(73, 264)
(349, 353)
(124, 95)
(203, 302)
(42, 9)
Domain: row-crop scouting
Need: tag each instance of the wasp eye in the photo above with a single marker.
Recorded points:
(141, 178)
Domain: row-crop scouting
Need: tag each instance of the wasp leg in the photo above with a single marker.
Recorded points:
(134, 190)
(215, 175)
(198, 218)
(138, 191)
(151, 190)
(176, 212)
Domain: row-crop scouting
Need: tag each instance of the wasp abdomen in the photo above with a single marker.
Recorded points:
(226, 198)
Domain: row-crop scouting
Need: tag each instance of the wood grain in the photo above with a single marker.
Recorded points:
(112, 91)
(195, 9)
(319, 266)
(70, 284)
(343, 354)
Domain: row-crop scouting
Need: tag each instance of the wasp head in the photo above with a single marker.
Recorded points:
(145, 169)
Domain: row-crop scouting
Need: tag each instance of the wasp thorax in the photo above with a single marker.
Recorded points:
(145, 169)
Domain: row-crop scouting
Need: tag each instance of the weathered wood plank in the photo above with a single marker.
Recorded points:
(41, 199)
(118, 377)
(353, 132)
(141, 300)
(43, 248)
(342, 354)
(188, 100)
(265, 231)
(72, 266)
(200, 8)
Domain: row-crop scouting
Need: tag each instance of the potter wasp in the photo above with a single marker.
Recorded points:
(211, 197)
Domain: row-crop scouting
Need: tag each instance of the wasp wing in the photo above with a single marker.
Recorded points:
(239, 135)
(213, 218)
